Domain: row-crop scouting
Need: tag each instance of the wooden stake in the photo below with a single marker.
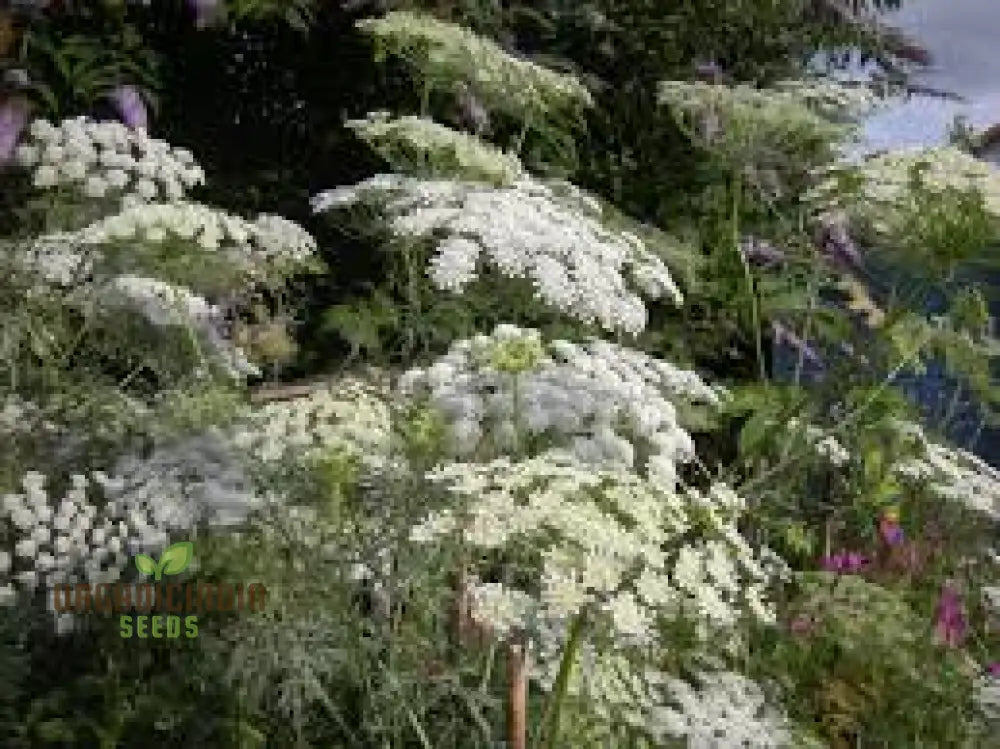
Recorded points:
(517, 696)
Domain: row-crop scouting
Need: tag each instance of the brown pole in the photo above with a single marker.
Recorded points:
(517, 696)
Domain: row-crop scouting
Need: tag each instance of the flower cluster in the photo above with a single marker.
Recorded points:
(951, 473)
(526, 230)
(418, 145)
(606, 402)
(832, 99)
(885, 183)
(749, 126)
(269, 239)
(20, 416)
(349, 415)
(107, 158)
(602, 540)
(196, 479)
(62, 540)
(165, 305)
(56, 259)
(722, 709)
(444, 51)
(988, 696)
(826, 445)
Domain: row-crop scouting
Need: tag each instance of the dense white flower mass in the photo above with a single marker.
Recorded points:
(350, 415)
(61, 539)
(421, 146)
(605, 402)
(554, 237)
(102, 520)
(725, 709)
(988, 697)
(268, 239)
(608, 541)
(57, 259)
(101, 159)
(201, 478)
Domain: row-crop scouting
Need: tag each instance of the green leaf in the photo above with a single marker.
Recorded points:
(176, 558)
(145, 564)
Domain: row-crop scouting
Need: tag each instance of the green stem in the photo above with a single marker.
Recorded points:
(748, 276)
(561, 686)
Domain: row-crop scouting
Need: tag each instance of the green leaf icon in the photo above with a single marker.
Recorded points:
(145, 564)
(176, 558)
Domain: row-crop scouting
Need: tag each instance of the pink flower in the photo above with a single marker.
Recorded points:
(994, 669)
(949, 623)
(13, 118)
(801, 625)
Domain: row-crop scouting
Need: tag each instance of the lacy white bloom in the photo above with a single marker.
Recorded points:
(725, 710)
(57, 259)
(270, 239)
(606, 402)
(98, 158)
(832, 99)
(554, 237)
(748, 125)
(885, 196)
(953, 474)
(988, 697)
(443, 51)
(419, 145)
(164, 305)
(59, 540)
(350, 416)
(200, 478)
(593, 532)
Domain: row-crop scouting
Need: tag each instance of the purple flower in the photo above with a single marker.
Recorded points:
(13, 118)
(836, 243)
(131, 107)
(994, 669)
(783, 335)
(708, 70)
(890, 531)
(205, 11)
(949, 619)
(760, 252)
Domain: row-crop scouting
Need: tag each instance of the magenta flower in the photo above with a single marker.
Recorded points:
(131, 107)
(845, 562)
(13, 118)
(994, 669)
(949, 620)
